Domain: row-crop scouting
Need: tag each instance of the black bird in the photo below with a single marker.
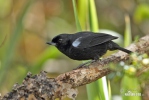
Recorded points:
(85, 45)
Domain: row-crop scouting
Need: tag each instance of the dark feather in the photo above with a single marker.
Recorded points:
(90, 39)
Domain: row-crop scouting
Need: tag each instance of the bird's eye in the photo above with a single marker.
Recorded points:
(60, 40)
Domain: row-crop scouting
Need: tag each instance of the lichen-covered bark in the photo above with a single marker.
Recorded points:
(40, 87)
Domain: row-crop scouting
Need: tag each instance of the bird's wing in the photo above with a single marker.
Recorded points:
(87, 40)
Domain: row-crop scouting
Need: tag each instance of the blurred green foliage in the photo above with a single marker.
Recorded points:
(133, 77)
(26, 26)
(141, 13)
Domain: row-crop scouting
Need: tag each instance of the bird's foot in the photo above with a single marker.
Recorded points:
(83, 65)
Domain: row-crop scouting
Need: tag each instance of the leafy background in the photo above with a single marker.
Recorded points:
(26, 26)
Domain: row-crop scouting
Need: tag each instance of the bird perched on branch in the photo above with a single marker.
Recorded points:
(85, 45)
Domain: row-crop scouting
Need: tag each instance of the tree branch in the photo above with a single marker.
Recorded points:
(41, 87)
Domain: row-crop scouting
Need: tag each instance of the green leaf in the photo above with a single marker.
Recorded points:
(76, 16)
(92, 92)
(127, 34)
(82, 13)
(93, 20)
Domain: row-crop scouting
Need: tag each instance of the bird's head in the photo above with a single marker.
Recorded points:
(60, 40)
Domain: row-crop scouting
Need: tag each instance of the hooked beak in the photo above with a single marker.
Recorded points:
(51, 43)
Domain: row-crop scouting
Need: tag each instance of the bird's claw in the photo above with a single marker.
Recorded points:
(83, 65)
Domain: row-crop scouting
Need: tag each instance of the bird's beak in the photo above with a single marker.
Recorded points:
(51, 43)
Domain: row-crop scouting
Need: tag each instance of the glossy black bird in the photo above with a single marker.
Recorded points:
(85, 45)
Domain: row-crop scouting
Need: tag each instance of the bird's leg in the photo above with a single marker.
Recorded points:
(96, 58)
(83, 65)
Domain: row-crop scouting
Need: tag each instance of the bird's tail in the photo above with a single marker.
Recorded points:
(125, 50)
(114, 46)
